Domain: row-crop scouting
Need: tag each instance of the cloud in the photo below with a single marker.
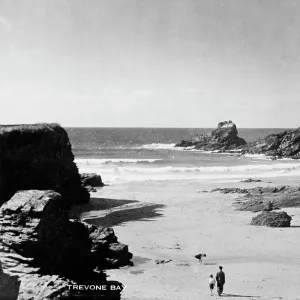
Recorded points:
(5, 23)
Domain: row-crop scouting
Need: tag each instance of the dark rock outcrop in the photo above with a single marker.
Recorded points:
(107, 251)
(224, 137)
(249, 180)
(47, 250)
(272, 219)
(185, 144)
(259, 198)
(38, 157)
(35, 224)
(9, 285)
(91, 179)
(39, 286)
(283, 144)
(38, 242)
(231, 191)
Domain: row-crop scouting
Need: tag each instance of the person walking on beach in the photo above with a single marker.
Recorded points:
(199, 256)
(220, 277)
(211, 283)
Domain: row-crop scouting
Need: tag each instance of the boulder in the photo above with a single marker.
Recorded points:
(91, 179)
(35, 224)
(9, 285)
(38, 157)
(107, 251)
(249, 180)
(272, 219)
(223, 138)
(118, 255)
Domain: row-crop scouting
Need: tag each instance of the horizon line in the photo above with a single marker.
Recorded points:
(174, 127)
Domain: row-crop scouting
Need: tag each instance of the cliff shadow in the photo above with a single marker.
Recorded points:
(129, 214)
(239, 296)
(98, 204)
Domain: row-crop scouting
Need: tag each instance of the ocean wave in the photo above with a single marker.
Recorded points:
(123, 165)
(101, 161)
(215, 169)
(119, 173)
(157, 146)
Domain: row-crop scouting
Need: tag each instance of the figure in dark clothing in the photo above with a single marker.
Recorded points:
(199, 256)
(220, 277)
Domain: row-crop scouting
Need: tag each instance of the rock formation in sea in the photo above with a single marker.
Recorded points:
(38, 241)
(224, 137)
(38, 157)
(283, 144)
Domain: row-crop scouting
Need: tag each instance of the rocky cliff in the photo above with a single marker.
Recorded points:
(38, 157)
(38, 242)
(35, 224)
(224, 137)
(283, 144)
(41, 240)
(9, 285)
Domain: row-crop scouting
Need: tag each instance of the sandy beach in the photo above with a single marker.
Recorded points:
(166, 220)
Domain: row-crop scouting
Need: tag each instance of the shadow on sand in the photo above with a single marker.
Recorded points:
(240, 296)
(118, 216)
(106, 203)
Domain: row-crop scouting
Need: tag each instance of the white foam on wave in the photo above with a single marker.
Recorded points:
(157, 146)
(101, 161)
(130, 170)
(163, 168)
(213, 169)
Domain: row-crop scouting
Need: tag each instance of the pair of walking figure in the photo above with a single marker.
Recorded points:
(220, 279)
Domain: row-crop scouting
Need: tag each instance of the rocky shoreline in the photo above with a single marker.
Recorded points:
(225, 139)
(266, 201)
(42, 250)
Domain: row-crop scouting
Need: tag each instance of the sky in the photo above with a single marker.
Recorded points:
(150, 63)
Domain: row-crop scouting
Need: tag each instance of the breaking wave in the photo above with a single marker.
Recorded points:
(106, 161)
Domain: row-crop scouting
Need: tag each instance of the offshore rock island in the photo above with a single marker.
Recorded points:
(225, 139)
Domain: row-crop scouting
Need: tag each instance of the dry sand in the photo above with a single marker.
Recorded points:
(172, 220)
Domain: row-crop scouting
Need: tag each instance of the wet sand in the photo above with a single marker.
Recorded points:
(173, 220)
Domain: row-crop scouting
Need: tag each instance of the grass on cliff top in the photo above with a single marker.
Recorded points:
(29, 127)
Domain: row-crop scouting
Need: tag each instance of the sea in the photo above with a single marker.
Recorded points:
(123, 155)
